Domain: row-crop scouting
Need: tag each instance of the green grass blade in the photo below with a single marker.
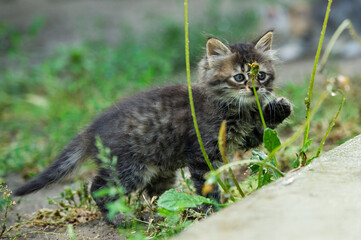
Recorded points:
(189, 84)
(331, 125)
(345, 24)
(310, 89)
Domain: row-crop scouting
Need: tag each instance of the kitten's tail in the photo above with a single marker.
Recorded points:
(70, 157)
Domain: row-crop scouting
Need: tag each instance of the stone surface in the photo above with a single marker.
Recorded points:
(320, 201)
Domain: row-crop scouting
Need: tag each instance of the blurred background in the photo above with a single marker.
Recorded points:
(64, 61)
(41, 26)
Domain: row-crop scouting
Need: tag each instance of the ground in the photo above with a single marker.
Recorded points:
(94, 229)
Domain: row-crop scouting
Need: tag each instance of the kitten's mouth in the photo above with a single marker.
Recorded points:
(251, 94)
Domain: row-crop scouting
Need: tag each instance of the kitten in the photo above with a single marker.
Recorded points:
(152, 134)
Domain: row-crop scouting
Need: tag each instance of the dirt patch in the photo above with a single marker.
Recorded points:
(28, 205)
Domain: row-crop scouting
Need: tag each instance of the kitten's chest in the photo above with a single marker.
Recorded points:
(238, 133)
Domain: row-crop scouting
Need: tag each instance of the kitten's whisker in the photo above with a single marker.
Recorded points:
(239, 107)
(271, 93)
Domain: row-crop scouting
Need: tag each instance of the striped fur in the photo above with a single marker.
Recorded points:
(152, 134)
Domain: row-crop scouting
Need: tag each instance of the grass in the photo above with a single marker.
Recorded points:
(46, 104)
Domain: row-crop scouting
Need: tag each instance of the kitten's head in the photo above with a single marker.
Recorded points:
(226, 74)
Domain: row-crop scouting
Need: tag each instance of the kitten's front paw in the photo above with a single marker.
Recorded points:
(276, 111)
(284, 107)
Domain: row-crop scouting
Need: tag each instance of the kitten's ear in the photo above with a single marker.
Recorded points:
(265, 42)
(216, 48)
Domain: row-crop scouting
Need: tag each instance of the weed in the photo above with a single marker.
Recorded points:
(75, 206)
(71, 232)
(5, 204)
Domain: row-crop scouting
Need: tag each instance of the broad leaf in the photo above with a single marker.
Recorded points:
(258, 155)
(271, 140)
(172, 200)
(307, 144)
(118, 206)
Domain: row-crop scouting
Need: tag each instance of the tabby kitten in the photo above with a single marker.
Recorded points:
(152, 134)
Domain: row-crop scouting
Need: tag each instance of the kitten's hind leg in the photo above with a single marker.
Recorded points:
(198, 168)
(101, 182)
(104, 180)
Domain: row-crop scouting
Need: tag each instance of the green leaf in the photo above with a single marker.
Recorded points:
(172, 200)
(266, 178)
(271, 140)
(258, 155)
(254, 168)
(310, 160)
(118, 206)
(307, 144)
(172, 216)
(303, 150)
(111, 191)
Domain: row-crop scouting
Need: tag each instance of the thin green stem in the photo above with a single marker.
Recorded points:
(345, 24)
(189, 84)
(310, 89)
(188, 69)
(259, 180)
(236, 182)
(331, 125)
(299, 131)
(258, 104)
(254, 73)
(3, 227)
(247, 162)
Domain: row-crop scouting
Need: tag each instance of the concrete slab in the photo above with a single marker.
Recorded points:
(320, 201)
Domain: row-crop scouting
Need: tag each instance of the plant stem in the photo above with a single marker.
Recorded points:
(309, 97)
(3, 227)
(222, 148)
(188, 69)
(299, 131)
(260, 171)
(246, 162)
(254, 73)
(190, 87)
(345, 24)
(331, 125)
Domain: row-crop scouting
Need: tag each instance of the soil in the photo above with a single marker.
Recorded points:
(94, 229)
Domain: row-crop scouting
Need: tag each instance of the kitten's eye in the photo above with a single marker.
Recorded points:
(261, 76)
(239, 77)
